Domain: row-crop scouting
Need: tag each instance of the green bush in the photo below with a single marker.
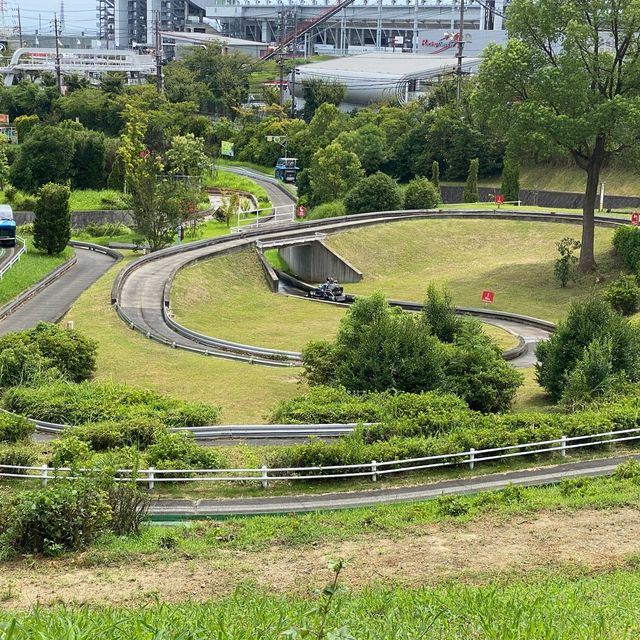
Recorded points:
(421, 194)
(624, 295)
(180, 451)
(510, 187)
(470, 193)
(52, 223)
(377, 192)
(15, 428)
(626, 242)
(320, 361)
(69, 451)
(96, 230)
(65, 515)
(19, 455)
(440, 314)
(75, 404)
(139, 432)
(333, 209)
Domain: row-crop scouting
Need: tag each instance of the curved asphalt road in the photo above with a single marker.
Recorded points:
(50, 304)
(278, 194)
(177, 509)
(6, 253)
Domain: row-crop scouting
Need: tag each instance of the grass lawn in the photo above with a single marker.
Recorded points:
(512, 258)
(245, 392)
(227, 297)
(92, 199)
(31, 268)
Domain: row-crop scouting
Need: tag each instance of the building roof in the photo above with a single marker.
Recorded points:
(204, 38)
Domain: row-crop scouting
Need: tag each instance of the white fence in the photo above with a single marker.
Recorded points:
(15, 258)
(261, 217)
(372, 469)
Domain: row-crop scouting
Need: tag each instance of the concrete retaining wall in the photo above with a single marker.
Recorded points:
(531, 197)
(315, 262)
(80, 219)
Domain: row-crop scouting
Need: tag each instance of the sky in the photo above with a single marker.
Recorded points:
(80, 15)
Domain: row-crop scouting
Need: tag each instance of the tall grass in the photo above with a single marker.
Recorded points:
(551, 607)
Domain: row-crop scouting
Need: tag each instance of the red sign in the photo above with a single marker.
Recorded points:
(635, 218)
(499, 199)
(302, 212)
(487, 296)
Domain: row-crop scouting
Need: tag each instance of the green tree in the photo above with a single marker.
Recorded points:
(333, 171)
(565, 264)
(187, 156)
(46, 156)
(4, 162)
(587, 321)
(52, 223)
(377, 192)
(510, 188)
(568, 81)
(113, 82)
(181, 85)
(421, 194)
(88, 164)
(24, 124)
(435, 177)
(471, 185)
(319, 92)
(368, 143)
(439, 314)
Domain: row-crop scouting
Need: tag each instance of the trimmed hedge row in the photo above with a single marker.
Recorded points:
(76, 404)
(626, 241)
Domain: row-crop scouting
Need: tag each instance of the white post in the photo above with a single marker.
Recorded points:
(563, 446)
(265, 477)
(472, 458)
(602, 196)
(45, 474)
(150, 477)
(374, 469)
(70, 325)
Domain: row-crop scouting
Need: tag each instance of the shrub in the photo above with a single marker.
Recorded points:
(180, 451)
(626, 242)
(64, 515)
(69, 451)
(564, 269)
(320, 360)
(435, 177)
(139, 432)
(586, 322)
(440, 314)
(470, 193)
(15, 428)
(510, 187)
(624, 295)
(628, 470)
(105, 229)
(333, 209)
(75, 404)
(451, 507)
(19, 455)
(421, 194)
(377, 192)
(129, 507)
(52, 224)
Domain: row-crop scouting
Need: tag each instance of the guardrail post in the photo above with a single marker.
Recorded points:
(563, 446)
(45, 474)
(150, 477)
(374, 469)
(472, 458)
(265, 477)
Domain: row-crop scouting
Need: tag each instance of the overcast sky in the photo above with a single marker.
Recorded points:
(80, 15)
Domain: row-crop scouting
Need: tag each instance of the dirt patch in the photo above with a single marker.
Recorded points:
(589, 539)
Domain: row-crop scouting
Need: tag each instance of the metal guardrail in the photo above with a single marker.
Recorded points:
(16, 257)
(372, 469)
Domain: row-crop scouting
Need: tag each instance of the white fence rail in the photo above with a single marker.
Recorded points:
(15, 258)
(372, 469)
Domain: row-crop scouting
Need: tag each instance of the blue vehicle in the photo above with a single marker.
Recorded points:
(287, 169)
(7, 227)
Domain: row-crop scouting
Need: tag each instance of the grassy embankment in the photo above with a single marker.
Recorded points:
(31, 268)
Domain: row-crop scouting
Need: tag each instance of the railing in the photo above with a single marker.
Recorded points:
(260, 217)
(371, 470)
(15, 258)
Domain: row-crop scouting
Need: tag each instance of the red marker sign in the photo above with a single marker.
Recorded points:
(499, 199)
(487, 296)
(635, 218)
(302, 212)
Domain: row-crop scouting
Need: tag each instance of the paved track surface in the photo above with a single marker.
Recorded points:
(167, 509)
(50, 304)
(279, 195)
(6, 253)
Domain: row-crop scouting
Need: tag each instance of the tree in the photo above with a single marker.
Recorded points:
(421, 194)
(435, 177)
(52, 223)
(113, 82)
(88, 164)
(4, 163)
(319, 92)
(586, 322)
(24, 124)
(568, 81)
(377, 192)
(439, 314)
(471, 186)
(46, 156)
(565, 264)
(187, 157)
(181, 85)
(510, 188)
(368, 143)
(333, 171)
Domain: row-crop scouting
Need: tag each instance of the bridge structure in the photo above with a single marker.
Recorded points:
(90, 63)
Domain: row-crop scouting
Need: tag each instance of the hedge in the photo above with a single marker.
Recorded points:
(626, 241)
(139, 432)
(15, 428)
(74, 404)
(20, 455)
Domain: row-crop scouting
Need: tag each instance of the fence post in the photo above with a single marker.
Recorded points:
(150, 477)
(472, 458)
(265, 477)
(563, 446)
(374, 469)
(45, 474)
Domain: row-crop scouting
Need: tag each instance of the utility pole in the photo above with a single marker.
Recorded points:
(58, 70)
(19, 27)
(158, 54)
(281, 57)
(294, 70)
(460, 50)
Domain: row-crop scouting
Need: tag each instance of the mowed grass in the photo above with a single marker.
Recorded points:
(31, 268)
(515, 259)
(227, 297)
(245, 392)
